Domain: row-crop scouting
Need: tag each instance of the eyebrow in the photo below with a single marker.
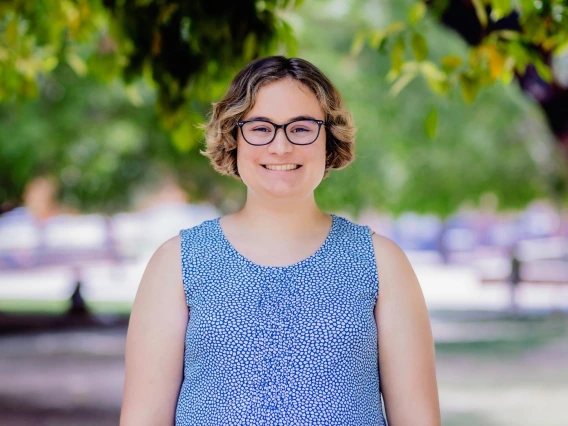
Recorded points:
(299, 117)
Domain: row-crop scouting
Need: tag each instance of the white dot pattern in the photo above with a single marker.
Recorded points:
(280, 345)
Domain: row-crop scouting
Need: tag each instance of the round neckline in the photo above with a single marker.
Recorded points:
(233, 250)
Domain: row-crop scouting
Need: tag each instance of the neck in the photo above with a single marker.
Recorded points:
(282, 219)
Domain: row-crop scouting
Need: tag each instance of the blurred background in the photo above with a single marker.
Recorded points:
(462, 159)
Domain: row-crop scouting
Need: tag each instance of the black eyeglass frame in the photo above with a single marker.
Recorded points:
(283, 127)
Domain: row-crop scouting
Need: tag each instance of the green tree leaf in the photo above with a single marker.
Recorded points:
(437, 80)
(77, 63)
(417, 12)
(543, 70)
(451, 63)
(250, 47)
(480, 12)
(500, 8)
(358, 43)
(12, 33)
(469, 87)
(401, 83)
(419, 46)
(395, 27)
(397, 56)
(431, 123)
(184, 136)
(377, 39)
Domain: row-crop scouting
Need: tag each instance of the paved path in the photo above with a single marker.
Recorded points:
(75, 377)
(66, 378)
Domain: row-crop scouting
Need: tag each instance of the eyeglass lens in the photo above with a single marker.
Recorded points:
(300, 132)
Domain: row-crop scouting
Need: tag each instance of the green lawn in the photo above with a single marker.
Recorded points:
(60, 306)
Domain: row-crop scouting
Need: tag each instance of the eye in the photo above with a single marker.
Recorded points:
(300, 129)
(303, 127)
(261, 129)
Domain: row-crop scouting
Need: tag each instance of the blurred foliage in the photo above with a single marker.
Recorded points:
(103, 147)
(188, 50)
(522, 39)
(100, 139)
(506, 36)
(103, 140)
(498, 145)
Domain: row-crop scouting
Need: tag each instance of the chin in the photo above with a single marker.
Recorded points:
(277, 193)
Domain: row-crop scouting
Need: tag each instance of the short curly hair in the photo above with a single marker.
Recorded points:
(221, 129)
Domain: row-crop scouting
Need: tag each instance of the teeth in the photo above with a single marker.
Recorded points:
(282, 167)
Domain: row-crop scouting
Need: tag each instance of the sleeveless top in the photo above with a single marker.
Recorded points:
(280, 345)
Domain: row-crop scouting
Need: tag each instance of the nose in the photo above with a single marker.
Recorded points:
(280, 144)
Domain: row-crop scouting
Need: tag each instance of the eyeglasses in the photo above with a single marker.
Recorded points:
(298, 132)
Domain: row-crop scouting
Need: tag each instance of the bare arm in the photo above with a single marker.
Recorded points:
(155, 342)
(406, 346)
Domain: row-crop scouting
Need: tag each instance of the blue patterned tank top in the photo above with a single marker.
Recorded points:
(280, 345)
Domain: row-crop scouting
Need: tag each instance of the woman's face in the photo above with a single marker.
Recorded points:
(281, 102)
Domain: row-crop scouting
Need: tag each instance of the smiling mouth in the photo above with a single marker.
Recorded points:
(281, 170)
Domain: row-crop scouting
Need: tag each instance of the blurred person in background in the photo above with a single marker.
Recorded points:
(272, 314)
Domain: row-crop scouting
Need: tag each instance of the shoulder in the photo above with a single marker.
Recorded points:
(164, 267)
(386, 250)
(160, 294)
(397, 278)
(167, 253)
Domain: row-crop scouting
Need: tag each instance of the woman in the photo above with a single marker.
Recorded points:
(272, 315)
